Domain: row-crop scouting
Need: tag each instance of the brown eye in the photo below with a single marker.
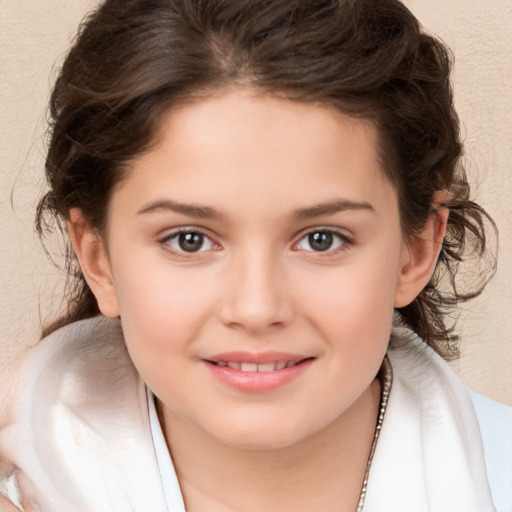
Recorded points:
(322, 241)
(189, 242)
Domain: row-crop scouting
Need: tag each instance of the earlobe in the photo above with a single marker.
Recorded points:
(419, 258)
(93, 258)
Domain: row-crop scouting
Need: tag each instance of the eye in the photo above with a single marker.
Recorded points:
(189, 242)
(322, 241)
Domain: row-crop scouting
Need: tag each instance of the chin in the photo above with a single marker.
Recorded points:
(259, 436)
(261, 442)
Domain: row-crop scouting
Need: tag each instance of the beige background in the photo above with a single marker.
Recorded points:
(35, 33)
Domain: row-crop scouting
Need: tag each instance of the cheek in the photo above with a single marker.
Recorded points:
(352, 308)
(359, 295)
(162, 306)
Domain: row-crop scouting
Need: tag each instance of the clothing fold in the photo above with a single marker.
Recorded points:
(77, 433)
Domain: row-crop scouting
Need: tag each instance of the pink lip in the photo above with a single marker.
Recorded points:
(257, 382)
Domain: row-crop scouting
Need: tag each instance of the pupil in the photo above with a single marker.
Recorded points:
(191, 242)
(320, 241)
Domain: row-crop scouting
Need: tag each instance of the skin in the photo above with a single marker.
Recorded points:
(261, 174)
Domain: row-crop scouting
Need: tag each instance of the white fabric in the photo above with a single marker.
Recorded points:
(170, 484)
(76, 432)
(495, 423)
(77, 436)
(430, 455)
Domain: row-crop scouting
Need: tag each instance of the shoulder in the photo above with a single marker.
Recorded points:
(77, 413)
(495, 421)
(77, 348)
(493, 418)
(481, 424)
(67, 369)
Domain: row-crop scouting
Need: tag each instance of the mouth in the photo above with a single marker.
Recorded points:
(257, 373)
(270, 361)
(246, 366)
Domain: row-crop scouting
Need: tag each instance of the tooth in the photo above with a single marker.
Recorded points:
(232, 364)
(266, 367)
(221, 363)
(249, 367)
(289, 364)
(280, 365)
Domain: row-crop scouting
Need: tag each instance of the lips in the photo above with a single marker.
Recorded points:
(257, 372)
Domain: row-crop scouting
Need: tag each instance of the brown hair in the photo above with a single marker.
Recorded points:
(134, 59)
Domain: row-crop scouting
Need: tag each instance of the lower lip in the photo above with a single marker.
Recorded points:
(258, 382)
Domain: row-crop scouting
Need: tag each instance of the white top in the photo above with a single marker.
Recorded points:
(78, 433)
(497, 452)
(170, 484)
(495, 423)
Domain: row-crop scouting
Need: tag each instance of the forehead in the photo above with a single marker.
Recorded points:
(242, 149)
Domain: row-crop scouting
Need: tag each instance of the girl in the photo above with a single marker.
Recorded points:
(255, 193)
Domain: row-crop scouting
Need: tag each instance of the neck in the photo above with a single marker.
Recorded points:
(324, 471)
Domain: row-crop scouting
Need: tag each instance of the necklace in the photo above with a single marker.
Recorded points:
(386, 379)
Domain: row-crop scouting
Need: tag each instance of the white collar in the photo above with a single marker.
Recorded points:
(76, 431)
(429, 456)
(170, 484)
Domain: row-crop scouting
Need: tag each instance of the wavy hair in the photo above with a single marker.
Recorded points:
(132, 60)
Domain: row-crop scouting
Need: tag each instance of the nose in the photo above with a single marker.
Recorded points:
(256, 298)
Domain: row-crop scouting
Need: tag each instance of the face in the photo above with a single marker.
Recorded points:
(255, 255)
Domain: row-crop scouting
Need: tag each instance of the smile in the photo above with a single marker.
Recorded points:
(255, 367)
(257, 373)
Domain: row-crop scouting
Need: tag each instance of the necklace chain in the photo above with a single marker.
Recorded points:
(386, 377)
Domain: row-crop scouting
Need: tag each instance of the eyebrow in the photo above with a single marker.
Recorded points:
(332, 207)
(189, 209)
(207, 212)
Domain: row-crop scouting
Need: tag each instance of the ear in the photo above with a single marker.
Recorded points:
(92, 255)
(419, 258)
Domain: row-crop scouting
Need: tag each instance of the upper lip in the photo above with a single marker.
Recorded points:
(257, 357)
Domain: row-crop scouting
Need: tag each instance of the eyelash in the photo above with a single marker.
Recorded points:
(344, 242)
(165, 242)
